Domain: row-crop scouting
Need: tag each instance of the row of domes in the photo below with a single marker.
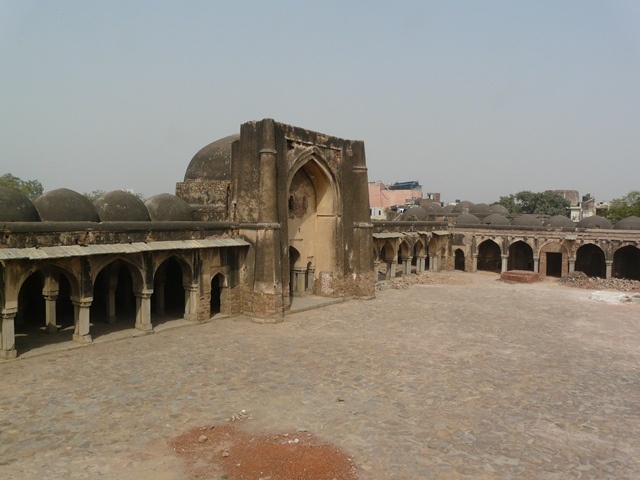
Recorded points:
(419, 213)
(64, 205)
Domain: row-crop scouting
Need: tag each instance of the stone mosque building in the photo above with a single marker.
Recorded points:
(263, 216)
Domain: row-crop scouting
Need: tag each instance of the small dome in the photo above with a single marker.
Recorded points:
(168, 208)
(121, 206)
(497, 208)
(526, 220)
(447, 209)
(414, 214)
(495, 219)
(462, 206)
(432, 208)
(560, 221)
(467, 219)
(480, 208)
(628, 223)
(64, 205)
(595, 221)
(16, 207)
(212, 162)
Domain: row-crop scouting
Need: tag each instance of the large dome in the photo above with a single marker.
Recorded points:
(64, 205)
(168, 208)
(212, 162)
(467, 219)
(481, 208)
(628, 223)
(121, 206)
(414, 214)
(560, 221)
(497, 208)
(496, 219)
(595, 221)
(463, 206)
(16, 207)
(432, 208)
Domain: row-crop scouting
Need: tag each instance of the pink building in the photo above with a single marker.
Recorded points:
(382, 196)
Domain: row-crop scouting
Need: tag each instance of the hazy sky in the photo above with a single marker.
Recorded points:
(475, 99)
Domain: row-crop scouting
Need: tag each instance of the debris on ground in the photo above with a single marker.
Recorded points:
(581, 280)
(424, 278)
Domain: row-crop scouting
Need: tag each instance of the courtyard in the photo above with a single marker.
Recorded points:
(462, 378)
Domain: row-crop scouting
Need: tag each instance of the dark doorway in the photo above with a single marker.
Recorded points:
(31, 312)
(554, 264)
(216, 294)
(125, 299)
(590, 260)
(489, 259)
(520, 257)
(459, 261)
(626, 263)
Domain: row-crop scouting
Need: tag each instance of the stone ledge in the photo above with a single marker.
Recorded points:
(520, 276)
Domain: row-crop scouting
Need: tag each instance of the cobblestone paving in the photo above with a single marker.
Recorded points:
(478, 381)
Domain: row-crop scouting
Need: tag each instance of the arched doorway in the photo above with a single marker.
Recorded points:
(489, 259)
(31, 307)
(312, 222)
(168, 297)
(590, 260)
(217, 282)
(459, 259)
(626, 263)
(520, 256)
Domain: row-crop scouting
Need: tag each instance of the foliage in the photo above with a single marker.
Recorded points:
(626, 206)
(93, 196)
(540, 203)
(30, 188)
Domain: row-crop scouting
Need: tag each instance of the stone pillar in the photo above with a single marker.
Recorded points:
(50, 301)
(143, 310)
(82, 309)
(432, 262)
(572, 265)
(420, 264)
(311, 279)
(505, 263)
(474, 267)
(609, 264)
(536, 263)
(407, 265)
(159, 297)
(299, 276)
(191, 302)
(391, 270)
(7, 334)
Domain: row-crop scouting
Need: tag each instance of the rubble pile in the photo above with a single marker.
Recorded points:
(424, 278)
(581, 280)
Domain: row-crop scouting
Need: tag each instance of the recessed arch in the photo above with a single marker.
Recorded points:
(459, 261)
(626, 262)
(590, 259)
(489, 256)
(520, 256)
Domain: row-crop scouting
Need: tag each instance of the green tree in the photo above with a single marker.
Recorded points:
(30, 188)
(537, 203)
(626, 206)
(94, 195)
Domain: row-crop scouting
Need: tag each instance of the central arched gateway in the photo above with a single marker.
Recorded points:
(313, 222)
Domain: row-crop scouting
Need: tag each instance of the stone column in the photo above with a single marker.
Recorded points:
(143, 310)
(572, 265)
(7, 334)
(191, 302)
(474, 267)
(311, 280)
(432, 262)
(82, 308)
(50, 301)
(420, 264)
(505, 263)
(391, 271)
(299, 286)
(407, 265)
(609, 264)
(536, 263)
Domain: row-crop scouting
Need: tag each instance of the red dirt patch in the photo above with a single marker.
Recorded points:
(520, 276)
(226, 452)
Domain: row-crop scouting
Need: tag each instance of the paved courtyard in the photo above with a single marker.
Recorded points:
(474, 379)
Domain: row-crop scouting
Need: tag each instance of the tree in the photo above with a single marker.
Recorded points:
(540, 203)
(93, 196)
(30, 188)
(626, 206)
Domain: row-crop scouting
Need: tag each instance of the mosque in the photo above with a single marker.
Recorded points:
(261, 217)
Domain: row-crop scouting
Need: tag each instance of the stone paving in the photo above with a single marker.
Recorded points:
(470, 381)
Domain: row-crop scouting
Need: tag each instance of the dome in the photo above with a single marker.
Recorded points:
(432, 208)
(526, 220)
(467, 219)
(496, 219)
(168, 208)
(414, 213)
(628, 223)
(16, 207)
(497, 208)
(212, 162)
(462, 206)
(480, 208)
(595, 221)
(64, 205)
(560, 221)
(447, 209)
(121, 206)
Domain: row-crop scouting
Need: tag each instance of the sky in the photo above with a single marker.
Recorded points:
(474, 99)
